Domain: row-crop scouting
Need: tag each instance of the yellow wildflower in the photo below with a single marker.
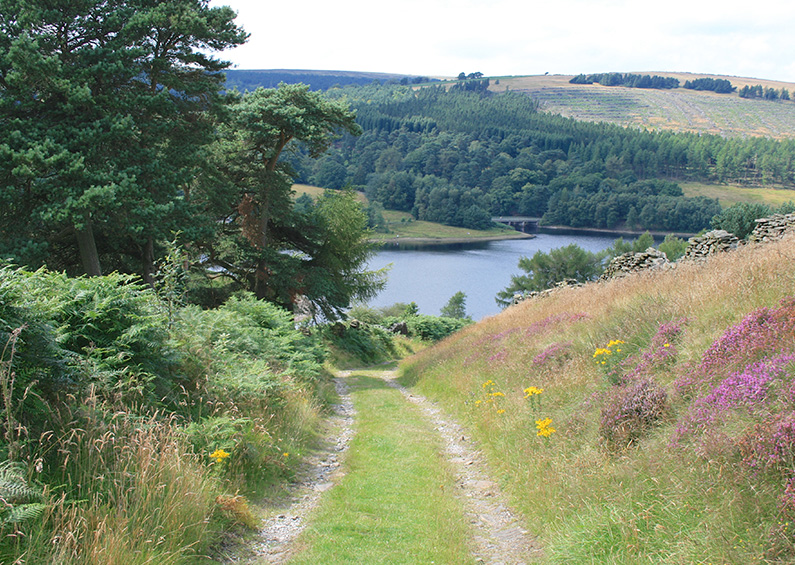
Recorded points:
(530, 391)
(500, 411)
(544, 428)
(219, 455)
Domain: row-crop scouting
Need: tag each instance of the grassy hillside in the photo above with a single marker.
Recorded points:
(644, 419)
(728, 195)
(678, 110)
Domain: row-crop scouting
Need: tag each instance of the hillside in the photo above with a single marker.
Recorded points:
(250, 79)
(644, 419)
(677, 110)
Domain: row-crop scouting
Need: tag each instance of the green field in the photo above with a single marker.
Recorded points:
(402, 226)
(732, 194)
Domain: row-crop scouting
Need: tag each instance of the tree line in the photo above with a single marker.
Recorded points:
(768, 93)
(460, 157)
(117, 135)
(627, 79)
(719, 85)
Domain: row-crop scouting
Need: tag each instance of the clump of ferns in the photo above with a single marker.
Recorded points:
(20, 501)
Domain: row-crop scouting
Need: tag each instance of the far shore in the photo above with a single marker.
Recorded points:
(616, 233)
(399, 240)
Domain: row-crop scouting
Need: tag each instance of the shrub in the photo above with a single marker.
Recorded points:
(434, 328)
(630, 411)
(368, 344)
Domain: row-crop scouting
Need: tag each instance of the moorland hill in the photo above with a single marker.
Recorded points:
(678, 109)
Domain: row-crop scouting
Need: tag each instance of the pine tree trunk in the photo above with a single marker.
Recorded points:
(149, 262)
(88, 249)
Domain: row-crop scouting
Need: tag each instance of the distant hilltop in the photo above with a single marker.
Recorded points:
(317, 80)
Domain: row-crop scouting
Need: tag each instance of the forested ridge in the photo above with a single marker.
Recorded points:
(460, 157)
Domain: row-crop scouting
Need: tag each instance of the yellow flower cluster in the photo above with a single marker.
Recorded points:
(531, 390)
(490, 395)
(219, 455)
(602, 353)
(544, 428)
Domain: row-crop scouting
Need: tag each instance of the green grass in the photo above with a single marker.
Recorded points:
(732, 194)
(395, 504)
(402, 225)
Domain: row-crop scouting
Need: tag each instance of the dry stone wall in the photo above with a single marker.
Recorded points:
(698, 248)
(633, 262)
(716, 241)
(771, 228)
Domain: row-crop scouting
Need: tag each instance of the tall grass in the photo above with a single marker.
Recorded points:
(138, 495)
(134, 429)
(612, 483)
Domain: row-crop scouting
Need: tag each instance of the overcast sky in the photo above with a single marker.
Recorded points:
(519, 37)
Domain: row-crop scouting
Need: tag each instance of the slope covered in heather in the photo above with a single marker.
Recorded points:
(644, 419)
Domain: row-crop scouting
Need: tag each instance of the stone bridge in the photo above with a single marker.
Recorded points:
(524, 224)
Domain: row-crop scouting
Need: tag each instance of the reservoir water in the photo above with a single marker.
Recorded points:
(430, 276)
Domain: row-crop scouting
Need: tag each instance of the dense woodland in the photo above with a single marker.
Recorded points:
(461, 157)
(627, 79)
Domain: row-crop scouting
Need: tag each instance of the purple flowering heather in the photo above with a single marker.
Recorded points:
(747, 389)
(554, 352)
(762, 334)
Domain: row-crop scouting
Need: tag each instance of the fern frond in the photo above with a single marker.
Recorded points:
(24, 513)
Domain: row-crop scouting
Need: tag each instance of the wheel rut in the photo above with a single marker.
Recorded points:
(317, 474)
(498, 535)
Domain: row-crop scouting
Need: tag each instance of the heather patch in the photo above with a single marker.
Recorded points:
(553, 354)
(747, 392)
(630, 411)
(762, 334)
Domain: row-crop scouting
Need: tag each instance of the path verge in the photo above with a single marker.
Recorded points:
(317, 474)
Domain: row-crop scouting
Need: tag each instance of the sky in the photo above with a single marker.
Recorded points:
(752, 39)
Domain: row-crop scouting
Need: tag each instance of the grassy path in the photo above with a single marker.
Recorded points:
(396, 503)
(412, 489)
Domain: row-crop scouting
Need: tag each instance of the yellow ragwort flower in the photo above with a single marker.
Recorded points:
(530, 391)
(544, 428)
(219, 455)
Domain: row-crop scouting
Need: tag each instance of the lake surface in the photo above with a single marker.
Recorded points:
(432, 275)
